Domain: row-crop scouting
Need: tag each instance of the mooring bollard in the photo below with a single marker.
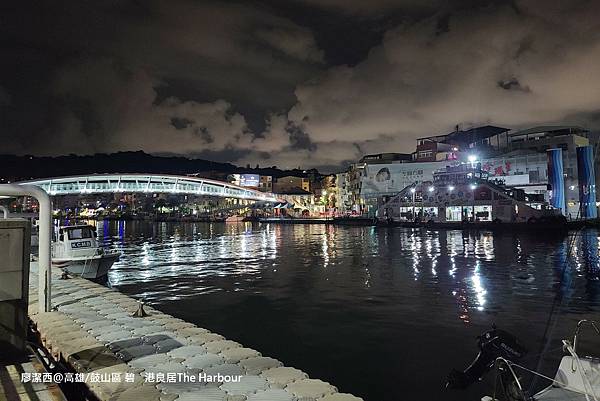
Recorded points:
(140, 312)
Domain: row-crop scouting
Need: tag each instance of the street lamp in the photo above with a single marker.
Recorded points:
(413, 190)
(473, 187)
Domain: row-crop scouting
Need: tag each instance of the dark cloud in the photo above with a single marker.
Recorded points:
(299, 83)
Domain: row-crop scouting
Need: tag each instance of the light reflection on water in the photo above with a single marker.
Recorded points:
(333, 301)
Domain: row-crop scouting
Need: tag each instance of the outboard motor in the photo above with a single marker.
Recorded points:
(492, 344)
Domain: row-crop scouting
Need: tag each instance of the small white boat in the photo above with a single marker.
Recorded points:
(76, 251)
(234, 219)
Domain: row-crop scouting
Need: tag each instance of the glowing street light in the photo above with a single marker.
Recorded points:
(473, 187)
(472, 160)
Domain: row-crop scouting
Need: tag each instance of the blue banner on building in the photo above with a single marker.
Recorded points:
(587, 182)
(556, 179)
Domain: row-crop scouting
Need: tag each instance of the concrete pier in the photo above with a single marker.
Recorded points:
(154, 358)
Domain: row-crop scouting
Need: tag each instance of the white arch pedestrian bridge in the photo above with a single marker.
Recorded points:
(147, 183)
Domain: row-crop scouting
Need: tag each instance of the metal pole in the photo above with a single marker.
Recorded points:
(4, 211)
(45, 236)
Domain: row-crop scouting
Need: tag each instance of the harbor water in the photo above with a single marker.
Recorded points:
(383, 313)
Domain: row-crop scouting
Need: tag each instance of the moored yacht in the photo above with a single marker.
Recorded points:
(76, 251)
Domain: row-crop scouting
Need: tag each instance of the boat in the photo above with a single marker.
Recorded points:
(234, 219)
(577, 377)
(76, 251)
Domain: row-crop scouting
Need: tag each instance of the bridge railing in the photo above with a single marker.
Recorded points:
(146, 183)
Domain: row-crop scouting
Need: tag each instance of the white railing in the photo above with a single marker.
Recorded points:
(110, 183)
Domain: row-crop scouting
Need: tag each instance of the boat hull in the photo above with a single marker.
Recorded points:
(90, 268)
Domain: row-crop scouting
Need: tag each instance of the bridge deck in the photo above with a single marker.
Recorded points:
(93, 331)
(147, 183)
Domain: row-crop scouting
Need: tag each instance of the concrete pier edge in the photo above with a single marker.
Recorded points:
(92, 330)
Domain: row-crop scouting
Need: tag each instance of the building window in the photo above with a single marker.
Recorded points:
(453, 213)
(483, 213)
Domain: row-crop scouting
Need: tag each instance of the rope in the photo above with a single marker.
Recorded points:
(550, 325)
(556, 305)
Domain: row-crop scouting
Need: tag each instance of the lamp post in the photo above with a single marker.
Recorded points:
(413, 190)
(473, 187)
(450, 189)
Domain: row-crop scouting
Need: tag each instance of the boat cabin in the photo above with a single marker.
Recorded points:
(75, 241)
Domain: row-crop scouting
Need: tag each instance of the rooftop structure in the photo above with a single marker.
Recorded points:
(382, 158)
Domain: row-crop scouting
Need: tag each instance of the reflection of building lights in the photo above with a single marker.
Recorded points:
(451, 188)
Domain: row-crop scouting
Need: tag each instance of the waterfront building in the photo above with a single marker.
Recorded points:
(265, 183)
(262, 183)
(485, 140)
(512, 158)
(290, 182)
(461, 193)
(298, 203)
(343, 203)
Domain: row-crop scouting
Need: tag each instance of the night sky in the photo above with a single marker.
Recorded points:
(311, 83)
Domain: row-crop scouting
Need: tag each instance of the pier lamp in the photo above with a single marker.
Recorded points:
(412, 191)
(473, 187)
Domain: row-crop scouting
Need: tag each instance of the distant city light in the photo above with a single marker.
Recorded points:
(572, 187)
(431, 189)
(473, 186)
(412, 190)
(451, 188)
(324, 192)
(472, 158)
